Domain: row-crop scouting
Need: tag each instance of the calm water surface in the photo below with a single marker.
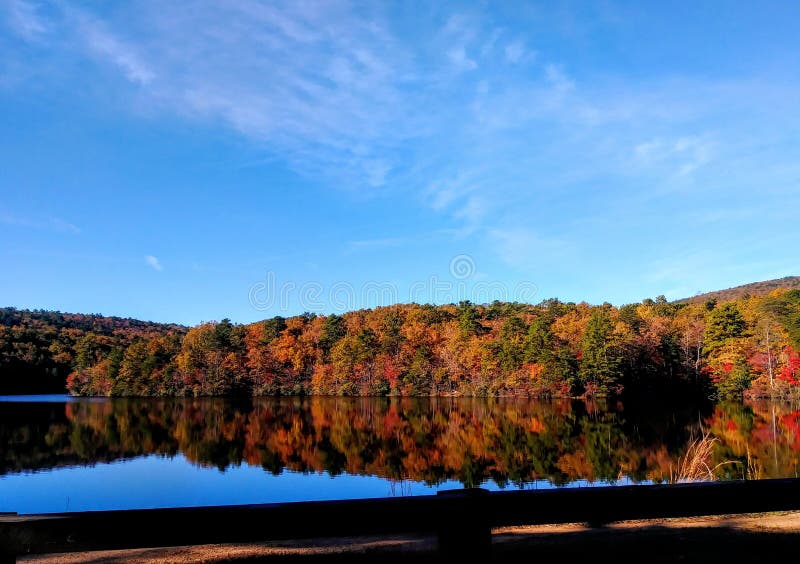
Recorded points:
(67, 454)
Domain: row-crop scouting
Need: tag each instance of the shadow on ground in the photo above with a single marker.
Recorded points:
(723, 542)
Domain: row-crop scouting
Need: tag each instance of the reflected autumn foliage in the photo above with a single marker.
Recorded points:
(757, 440)
(512, 442)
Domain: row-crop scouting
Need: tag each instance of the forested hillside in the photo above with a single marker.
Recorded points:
(39, 349)
(745, 290)
(748, 346)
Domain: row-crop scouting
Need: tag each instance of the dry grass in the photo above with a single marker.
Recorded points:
(696, 464)
(753, 471)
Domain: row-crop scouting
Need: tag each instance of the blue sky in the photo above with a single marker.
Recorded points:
(190, 161)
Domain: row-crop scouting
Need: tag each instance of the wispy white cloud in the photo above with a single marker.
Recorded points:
(558, 78)
(104, 45)
(696, 151)
(459, 33)
(317, 83)
(25, 20)
(379, 243)
(685, 154)
(472, 212)
(153, 262)
(458, 56)
(44, 223)
(516, 52)
(524, 248)
(442, 193)
(488, 45)
(446, 115)
(61, 225)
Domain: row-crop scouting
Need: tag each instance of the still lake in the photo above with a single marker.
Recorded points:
(59, 453)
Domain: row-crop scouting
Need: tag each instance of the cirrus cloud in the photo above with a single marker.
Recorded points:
(153, 262)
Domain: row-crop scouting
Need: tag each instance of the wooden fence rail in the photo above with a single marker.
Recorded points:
(463, 519)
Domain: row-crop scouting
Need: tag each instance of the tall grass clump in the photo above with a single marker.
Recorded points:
(696, 464)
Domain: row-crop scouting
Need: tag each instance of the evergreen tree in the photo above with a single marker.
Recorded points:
(600, 359)
(725, 322)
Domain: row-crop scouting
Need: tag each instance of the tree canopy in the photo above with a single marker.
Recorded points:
(745, 346)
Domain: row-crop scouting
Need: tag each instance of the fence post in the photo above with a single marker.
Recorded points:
(465, 535)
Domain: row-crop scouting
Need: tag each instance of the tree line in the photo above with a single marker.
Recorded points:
(748, 346)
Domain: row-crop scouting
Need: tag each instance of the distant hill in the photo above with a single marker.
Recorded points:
(39, 348)
(752, 289)
(95, 322)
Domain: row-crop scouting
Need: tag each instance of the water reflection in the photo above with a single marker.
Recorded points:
(427, 440)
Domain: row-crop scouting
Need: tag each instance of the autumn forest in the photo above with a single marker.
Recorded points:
(744, 345)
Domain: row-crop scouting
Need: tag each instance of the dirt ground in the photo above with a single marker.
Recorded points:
(774, 537)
